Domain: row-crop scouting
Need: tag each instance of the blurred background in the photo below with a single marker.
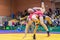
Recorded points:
(12, 10)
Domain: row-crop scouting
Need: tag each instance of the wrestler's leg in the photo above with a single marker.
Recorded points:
(27, 27)
(42, 23)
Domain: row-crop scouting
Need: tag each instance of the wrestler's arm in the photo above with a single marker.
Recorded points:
(23, 18)
(43, 7)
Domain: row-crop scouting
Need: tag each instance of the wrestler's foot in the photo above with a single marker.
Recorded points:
(48, 33)
(34, 36)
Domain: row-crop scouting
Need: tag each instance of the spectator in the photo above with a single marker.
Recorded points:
(19, 15)
(12, 15)
(57, 11)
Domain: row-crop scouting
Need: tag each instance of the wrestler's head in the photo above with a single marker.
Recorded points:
(30, 10)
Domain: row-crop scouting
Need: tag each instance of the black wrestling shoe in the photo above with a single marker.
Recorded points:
(34, 37)
(48, 33)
